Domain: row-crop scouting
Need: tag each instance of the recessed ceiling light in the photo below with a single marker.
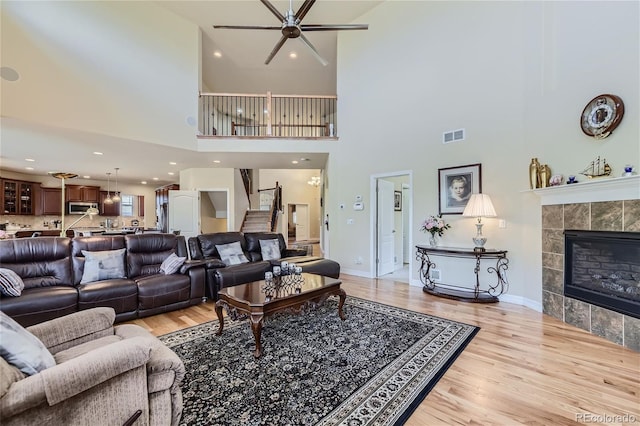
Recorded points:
(171, 173)
(304, 159)
(154, 178)
(86, 177)
(294, 162)
(29, 159)
(293, 55)
(173, 163)
(216, 161)
(97, 152)
(144, 182)
(217, 54)
(29, 168)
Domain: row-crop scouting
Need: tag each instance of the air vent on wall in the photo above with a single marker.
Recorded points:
(453, 136)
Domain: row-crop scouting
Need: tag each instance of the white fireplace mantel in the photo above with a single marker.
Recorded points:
(592, 190)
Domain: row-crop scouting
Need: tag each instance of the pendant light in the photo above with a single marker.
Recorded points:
(116, 194)
(108, 200)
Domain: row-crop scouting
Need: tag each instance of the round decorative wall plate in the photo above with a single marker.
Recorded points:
(601, 116)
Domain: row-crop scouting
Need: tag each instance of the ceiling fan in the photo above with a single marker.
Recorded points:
(292, 28)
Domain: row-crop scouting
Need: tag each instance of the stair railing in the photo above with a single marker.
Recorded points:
(276, 203)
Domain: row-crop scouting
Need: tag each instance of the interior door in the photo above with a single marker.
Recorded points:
(184, 212)
(302, 222)
(385, 229)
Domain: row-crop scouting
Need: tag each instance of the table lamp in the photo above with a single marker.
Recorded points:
(479, 206)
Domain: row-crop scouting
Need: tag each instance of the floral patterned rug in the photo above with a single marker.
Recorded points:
(372, 369)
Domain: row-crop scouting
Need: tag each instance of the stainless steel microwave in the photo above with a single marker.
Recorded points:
(76, 207)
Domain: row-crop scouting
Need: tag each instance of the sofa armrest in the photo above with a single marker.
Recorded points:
(197, 276)
(79, 327)
(294, 252)
(75, 376)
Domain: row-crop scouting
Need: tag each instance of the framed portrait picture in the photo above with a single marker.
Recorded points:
(455, 186)
(397, 201)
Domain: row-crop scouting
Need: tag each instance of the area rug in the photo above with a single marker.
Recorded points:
(374, 368)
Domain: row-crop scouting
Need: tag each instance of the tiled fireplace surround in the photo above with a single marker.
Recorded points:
(610, 215)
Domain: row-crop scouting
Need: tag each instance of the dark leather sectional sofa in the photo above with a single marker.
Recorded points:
(203, 248)
(52, 269)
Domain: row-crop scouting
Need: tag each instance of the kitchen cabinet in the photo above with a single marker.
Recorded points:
(141, 205)
(51, 201)
(18, 197)
(84, 193)
(108, 209)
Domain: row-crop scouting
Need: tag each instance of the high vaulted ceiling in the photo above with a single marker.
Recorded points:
(239, 69)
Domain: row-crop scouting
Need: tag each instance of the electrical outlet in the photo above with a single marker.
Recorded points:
(349, 221)
(435, 275)
(502, 224)
(359, 260)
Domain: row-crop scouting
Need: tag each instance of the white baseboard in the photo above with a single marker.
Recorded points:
(508, 298)
(355, 272)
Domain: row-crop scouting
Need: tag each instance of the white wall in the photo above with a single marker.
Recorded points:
(214, 180)
(515, 75)
(150, 64)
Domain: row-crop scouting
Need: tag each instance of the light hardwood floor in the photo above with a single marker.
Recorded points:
(523, 367)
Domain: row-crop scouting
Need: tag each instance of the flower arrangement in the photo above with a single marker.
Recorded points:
(434, 225)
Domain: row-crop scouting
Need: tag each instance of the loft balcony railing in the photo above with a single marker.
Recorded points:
(267, 115)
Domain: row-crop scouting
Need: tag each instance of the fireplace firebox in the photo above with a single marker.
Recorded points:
(603, 268)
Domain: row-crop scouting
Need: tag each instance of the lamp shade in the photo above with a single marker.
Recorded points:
(479, 205)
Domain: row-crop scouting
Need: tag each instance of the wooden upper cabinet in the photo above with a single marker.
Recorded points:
(51, 201)
(18, 197)
(108, 209)
(140, 205)
(84, 193)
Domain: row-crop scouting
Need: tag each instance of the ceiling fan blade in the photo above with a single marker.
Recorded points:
(275, 49)
(273, 10)
(246, 27)
(337, 27)
(304, 40)
(304, 9)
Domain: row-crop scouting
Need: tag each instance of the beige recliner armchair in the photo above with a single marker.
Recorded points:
(103, 375)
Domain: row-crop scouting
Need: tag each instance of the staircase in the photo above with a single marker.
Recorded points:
(257, 221)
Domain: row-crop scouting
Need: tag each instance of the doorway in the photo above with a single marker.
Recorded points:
(297, 222)
(391, 232)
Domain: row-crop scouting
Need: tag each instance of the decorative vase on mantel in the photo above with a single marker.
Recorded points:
(433, 241)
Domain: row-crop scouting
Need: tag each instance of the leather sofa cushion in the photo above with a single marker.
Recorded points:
(146, 252)
(44, 303)
(160, 290)
(119, 294)
(95, 243)
(253, 241)
(208, 243)
(40, 262)
(241, 274)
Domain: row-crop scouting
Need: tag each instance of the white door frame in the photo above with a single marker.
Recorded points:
(373, 219)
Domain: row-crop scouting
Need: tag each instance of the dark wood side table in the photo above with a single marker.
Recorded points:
(475, 294)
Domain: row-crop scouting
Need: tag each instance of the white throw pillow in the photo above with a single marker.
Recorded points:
(171, 264)
(21, 348)
(102, 265)
(270, 249)
(10, 283)
(231, 254)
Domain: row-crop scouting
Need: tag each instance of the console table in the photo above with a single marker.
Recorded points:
(474, 294)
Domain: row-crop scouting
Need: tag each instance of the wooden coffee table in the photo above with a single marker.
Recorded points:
(250, 299)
